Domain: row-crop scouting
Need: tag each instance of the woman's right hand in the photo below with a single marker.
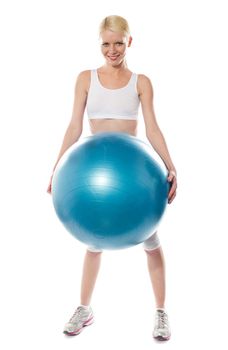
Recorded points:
(49, 186)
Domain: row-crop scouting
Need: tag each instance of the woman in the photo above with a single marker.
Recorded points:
(112, 94)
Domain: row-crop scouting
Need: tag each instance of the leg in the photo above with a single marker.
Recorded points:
(156, 267)
(83, 315)
(90, 271)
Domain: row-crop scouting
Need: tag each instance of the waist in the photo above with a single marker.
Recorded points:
(112, 117)
(113, 125)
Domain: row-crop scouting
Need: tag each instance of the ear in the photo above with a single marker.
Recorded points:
(130, 41)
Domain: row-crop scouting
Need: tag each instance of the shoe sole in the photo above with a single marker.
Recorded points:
(160, 338)
(78, 331)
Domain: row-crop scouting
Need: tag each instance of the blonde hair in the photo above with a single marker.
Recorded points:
(116, 24)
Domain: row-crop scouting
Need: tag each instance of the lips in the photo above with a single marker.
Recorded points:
(113, 57)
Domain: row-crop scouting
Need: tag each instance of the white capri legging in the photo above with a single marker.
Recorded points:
(150, 243)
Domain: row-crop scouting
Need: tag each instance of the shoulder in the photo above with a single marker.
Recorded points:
(144, 84)
(83, 79)
(84, 75)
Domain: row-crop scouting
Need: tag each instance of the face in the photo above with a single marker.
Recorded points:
(114, 46)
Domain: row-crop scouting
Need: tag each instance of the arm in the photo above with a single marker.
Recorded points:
(75, 127)
(153, 132)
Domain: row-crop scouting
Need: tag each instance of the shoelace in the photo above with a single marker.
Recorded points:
(161, 318)
(76, 313)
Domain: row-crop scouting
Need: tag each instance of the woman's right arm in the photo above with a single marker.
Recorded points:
(75, 127)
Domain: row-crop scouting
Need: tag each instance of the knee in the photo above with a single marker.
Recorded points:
(151, 244)
(152, 252)
(94, 253)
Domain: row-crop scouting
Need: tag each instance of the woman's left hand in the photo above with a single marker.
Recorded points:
(172, 178)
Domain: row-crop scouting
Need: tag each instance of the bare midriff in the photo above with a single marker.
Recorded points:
(113, 125)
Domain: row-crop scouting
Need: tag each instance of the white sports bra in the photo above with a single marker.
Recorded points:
(104, 103)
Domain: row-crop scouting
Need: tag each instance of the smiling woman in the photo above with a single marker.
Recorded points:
(115, 38)
(112, 95)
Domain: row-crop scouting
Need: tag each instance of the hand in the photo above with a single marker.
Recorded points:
(172, 178)
(49, 186)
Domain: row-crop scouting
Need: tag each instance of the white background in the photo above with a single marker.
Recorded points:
(182, 47)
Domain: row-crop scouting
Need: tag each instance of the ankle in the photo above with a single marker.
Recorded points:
(160, 307)
(85, 306)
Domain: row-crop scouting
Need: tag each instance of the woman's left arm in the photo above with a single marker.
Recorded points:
(153, 132)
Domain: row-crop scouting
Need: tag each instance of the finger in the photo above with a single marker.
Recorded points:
(172, 198)
(172, 190)
(49, 189)
(173, 186)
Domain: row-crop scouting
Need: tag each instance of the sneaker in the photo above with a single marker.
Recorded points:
(82, 317)
(161, 327)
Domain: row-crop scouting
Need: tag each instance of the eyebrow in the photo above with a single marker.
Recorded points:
(117, 42)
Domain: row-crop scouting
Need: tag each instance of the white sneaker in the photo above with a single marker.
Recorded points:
(82, 317)
(161, 327)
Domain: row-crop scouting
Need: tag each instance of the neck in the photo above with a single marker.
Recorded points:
(114, 69)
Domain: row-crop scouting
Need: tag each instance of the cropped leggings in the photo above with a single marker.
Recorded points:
(150, 243)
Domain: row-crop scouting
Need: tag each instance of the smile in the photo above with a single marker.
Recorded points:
(113, 57)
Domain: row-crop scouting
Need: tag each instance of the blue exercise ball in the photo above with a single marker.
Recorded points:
(109, 192)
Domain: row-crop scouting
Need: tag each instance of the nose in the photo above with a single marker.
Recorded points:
(112, 48)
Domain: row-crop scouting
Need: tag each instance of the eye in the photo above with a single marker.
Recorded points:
(105, 44)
